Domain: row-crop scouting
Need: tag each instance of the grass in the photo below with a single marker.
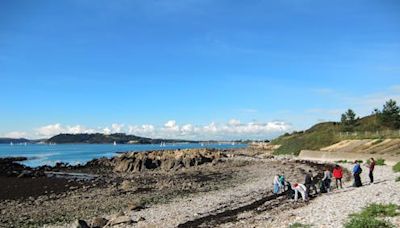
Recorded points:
(341, 161)
(328, 133)
(378, 210)
(396, 168)
(299, 225)
(321, 135)
(367, 222)
(380, 161)
(371, 216)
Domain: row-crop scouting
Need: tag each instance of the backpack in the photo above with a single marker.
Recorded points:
(359, 170)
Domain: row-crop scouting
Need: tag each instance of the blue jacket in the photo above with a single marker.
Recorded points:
(356, 168)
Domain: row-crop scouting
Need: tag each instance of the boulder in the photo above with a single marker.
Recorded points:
(80, 224)
(126, 220)
(98, 222)
(128, 185)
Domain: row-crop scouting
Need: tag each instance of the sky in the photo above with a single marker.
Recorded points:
(193, 69)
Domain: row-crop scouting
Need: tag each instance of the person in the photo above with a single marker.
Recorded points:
(371, 167)
(338, 175)
(277, 185)
(327, 179)
(300, 188)
(290, 192)
(282, 182)
(309, 183)
(356, 174)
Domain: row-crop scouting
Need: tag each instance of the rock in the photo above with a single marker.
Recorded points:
(164, 160)
(80, 224)
(137, 206)
(98, 222)
(121, 220)
(128, 185)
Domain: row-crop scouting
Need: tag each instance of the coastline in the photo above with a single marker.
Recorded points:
(230, 190)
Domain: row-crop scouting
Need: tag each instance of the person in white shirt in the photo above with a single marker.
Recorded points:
(300, 188)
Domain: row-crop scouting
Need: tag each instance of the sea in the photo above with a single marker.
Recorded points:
(74, 154)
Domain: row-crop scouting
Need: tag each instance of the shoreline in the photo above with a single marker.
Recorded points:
(185, 189)
(112, 193)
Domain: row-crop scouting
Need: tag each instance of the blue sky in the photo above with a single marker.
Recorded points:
(195, 68)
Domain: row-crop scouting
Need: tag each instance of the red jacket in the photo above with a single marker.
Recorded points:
(338, 172)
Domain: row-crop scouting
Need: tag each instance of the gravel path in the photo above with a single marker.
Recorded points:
(186, 209)
(332, 209)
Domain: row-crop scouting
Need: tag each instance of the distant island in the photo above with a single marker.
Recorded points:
(119, 138)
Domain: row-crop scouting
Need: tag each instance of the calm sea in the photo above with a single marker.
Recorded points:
(39, 154)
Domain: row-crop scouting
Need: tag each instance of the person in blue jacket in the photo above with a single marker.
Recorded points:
(356, 174)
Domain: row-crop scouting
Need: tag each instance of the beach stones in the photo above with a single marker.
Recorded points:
(98, 222)
(80, 224)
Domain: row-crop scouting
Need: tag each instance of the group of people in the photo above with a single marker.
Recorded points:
(324, 183)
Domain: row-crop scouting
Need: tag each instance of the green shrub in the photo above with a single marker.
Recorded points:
(376, 210)
(397, 179)
(396, 168)
(341, 161)
(299, 225)
(368, 217)
(380, 161)
(367, 222)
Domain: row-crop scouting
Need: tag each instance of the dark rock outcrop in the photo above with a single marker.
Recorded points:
(164, 160)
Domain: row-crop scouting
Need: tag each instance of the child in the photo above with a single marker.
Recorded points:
(338, 174)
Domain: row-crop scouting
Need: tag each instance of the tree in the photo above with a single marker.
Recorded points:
(348, 120)
(390, 115)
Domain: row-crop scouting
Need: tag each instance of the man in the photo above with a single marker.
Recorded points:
(309, 183)
(300, 188)
(356, 173)
(371, 167)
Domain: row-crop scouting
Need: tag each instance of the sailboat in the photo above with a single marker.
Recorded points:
(11, 144)
(115, 143)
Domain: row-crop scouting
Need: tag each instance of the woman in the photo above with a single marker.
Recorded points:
(277, 185)
(327, 179)
(338, 175)
(356, 173)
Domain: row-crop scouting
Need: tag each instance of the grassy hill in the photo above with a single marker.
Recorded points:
(328, 133)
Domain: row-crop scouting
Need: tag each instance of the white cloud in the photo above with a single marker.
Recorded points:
(233, 129)
(16, 134)
(234, 122)
(171, 126)
(116, 128)
(54, 129)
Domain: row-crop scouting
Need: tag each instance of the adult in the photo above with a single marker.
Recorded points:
(327, 179)
(356, 174)
(277, 184)
(310, 183)
(300, 188)
(282, 181)
(338, 175)
(371, 167)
